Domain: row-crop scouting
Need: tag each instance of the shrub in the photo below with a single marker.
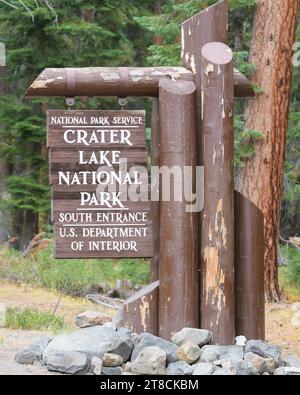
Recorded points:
(31, 319)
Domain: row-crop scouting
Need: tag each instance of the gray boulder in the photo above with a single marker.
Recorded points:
(150, 361)
(96, 366)
(264, 349)
(91, 318)
(38, 346)
(203, 369)
(94, 341)
(25, 357)
(286, 371)
(123, 346)
(241, 341)
(213, 353)
(222, 372)
(179, 369)
(291, 361)
(262, 365)
(67, 362)
(240, 368)
(201, 337)
(112, 371)
(148, 340)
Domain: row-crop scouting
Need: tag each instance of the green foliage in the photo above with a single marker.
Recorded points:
(292, 272)
(31, 319)
(290, 222)
(244, 142)
(72, 277)
(71, 34)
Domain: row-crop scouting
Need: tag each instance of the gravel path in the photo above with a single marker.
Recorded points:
(12, 341)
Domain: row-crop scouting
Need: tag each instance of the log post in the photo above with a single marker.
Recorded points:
(249, 269)
(217, 230)
(178, 292)
(140, 310)
(114, 81)
(155, 150)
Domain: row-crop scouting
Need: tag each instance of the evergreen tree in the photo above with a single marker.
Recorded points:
(41, 34)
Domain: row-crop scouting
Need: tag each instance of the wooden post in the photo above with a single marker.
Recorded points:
(217, 233)
(114, 81)
(140, 310)
(249, 266)
(155, 157)
(178, 292)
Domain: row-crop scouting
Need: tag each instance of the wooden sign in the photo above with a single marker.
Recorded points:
(99, 180)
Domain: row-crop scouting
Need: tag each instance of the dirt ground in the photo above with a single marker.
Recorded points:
(279, 329)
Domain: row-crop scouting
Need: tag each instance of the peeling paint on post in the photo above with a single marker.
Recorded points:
(217, 229)
(140, 310)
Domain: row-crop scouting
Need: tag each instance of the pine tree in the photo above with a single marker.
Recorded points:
(39, 35)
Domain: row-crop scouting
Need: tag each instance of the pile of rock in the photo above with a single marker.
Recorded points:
(106, 350)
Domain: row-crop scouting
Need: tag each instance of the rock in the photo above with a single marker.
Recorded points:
(203, 369)
(200, 337)
(148, 340)
(213, 353)
(2, 314)
(25, 357)
(67, 362)
(112, 360)
(179, 368)
(112, 371)
(94, 341)
(110, 325)
(296, 320)
(223, 372)
(91, 318)
(241, 341)
(292, 362)
(264, 350)
(38, 345)
(188, 352)
(239, 368)
(150, 361)
(122, 331)
(296, 306)
(286, 371)
(262, 365)
(124, 345)
(96, 366)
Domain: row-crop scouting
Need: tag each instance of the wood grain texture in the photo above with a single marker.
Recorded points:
(140, 310)
(101, 82)
(178, 271)
(249, 269)
(217, 225)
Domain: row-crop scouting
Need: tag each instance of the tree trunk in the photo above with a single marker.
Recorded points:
(29, 229)
(261, 180)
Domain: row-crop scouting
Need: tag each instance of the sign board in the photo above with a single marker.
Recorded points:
(99, 180)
